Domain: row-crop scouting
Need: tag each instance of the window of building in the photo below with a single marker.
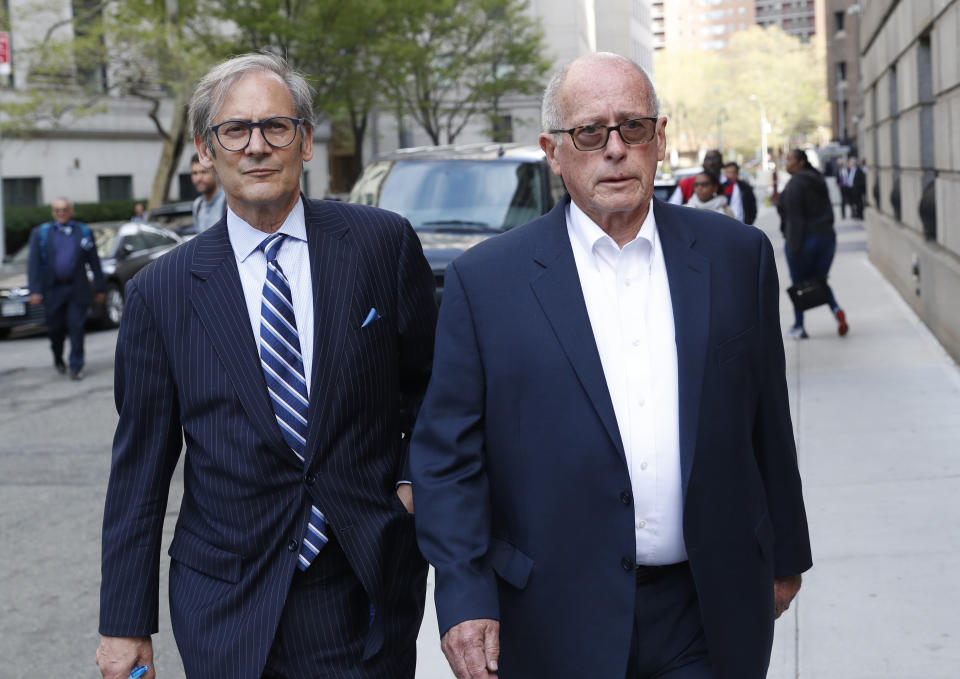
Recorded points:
(502, 128)
(22, 191)
(115, 187)
(841, 71)
(838, 18)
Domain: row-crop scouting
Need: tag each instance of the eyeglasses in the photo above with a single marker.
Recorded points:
(279, 131)
(594, 137)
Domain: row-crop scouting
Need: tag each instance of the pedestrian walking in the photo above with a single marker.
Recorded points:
(706, 196)
(210, 206)
(605, 470)
(732, 172)
(806, 220)
(62, 251)
(288, 347)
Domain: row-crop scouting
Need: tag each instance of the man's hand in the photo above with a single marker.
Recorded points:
(405, 493)
(473, 648)
(784, 589)
(36, 298)
(116, 656)
(100, 297)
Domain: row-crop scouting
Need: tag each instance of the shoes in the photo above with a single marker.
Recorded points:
(60, 366)
(798, 332)
(842, 327)
(78, 375)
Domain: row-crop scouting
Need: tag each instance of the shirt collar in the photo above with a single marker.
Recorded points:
(245, 239)
(592, 238)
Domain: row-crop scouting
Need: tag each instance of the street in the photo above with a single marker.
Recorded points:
(876, 416)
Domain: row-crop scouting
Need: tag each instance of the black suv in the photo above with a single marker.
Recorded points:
(458, 196)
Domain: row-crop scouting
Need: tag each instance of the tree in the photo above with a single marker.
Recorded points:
(454, 59)
(154, 51)
(762, 69)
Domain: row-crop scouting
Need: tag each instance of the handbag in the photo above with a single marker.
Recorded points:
(809, 294)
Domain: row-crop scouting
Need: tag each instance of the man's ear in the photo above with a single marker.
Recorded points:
(204, 154)
(548, 142)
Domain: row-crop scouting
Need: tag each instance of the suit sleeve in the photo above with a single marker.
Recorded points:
(93, 259)
(773, 435)
(451, 490)
(416, 324)
(146, 448)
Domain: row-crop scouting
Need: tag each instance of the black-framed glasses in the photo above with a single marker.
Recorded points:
(278, 131)
(594, 137)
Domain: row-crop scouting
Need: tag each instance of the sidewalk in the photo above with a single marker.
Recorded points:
(877, 416)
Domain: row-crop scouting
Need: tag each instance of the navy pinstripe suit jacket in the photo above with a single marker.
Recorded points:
(187, 368)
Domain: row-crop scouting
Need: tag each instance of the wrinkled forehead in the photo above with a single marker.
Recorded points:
(605, 85)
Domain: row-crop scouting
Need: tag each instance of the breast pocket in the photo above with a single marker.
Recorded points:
(731, 349)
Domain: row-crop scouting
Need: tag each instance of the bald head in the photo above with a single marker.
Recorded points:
(62, 210)
(555, 106)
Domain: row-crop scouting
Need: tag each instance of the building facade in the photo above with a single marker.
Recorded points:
(842, 22)
(910, 86)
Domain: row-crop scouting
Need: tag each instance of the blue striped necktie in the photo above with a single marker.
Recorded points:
(286, 381)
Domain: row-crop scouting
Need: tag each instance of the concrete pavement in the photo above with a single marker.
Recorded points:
(877, 416)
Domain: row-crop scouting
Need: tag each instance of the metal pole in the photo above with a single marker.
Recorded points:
(3, 228)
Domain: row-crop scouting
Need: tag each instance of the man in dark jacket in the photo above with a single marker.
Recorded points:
(732, 172)
(60, 252)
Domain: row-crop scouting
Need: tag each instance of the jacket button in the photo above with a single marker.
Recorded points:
(292, 546)
(311, 479)
(627, 564)
(626, 497)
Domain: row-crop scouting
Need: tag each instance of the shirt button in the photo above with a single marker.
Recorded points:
(641, 401)
(636, 343)
(626, 497)
(626, 564)
(311, 479)
(627, 282)
(292, 546)
(643, 465)
(641, 523)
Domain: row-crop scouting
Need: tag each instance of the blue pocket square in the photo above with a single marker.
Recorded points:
(371, 317)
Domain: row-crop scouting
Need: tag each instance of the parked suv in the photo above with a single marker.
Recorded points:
(458, 196)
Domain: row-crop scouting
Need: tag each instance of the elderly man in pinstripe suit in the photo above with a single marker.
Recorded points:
(289, 347)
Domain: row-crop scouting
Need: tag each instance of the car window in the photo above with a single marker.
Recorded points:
(156, 239)
(463, 195)
(133, 242)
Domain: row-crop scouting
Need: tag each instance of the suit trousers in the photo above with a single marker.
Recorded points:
(324, 626)
(668, 640)
(64, 315)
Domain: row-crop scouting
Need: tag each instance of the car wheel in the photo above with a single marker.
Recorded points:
(113, 306)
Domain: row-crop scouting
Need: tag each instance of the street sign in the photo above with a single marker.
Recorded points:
(4, 54)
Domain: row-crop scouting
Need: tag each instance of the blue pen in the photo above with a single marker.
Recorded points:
(139, 671)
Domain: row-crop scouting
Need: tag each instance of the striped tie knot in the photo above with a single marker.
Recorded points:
(271, 246)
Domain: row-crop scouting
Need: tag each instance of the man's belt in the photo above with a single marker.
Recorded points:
(648, 574)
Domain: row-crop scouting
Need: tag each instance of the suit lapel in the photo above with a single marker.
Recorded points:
(557, 287)
(332, 272)
(218, 298)
(688, 273)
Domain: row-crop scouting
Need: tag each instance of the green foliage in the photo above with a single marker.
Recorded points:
(762, 69)
(18, 221)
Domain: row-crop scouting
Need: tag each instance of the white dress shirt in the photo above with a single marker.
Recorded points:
(294, 260)
(628, 301)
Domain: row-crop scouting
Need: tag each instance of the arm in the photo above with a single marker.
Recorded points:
(93, 259)
(34, 265)
(416, 324)
(453, 495)
(773, 440)
(146, 448)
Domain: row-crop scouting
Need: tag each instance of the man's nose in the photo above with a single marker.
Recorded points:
(258, 143)
(615, 147)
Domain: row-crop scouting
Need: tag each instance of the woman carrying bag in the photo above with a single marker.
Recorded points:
(806, 220)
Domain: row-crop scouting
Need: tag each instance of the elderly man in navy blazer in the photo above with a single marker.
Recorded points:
(604, 462)
(288, 347)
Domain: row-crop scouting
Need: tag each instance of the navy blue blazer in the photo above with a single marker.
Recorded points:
(188, 371)
(40, 267)
(522, 489)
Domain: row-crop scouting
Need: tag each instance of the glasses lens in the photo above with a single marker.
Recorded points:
(590, 137)
(233, 135)
(279, 131)
(637, 131)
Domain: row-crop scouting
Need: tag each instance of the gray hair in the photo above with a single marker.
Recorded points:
(212, 90)
(551, 118)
